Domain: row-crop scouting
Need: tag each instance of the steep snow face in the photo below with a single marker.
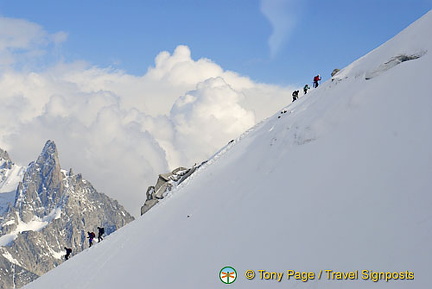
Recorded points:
(10, 175)
(339, 180)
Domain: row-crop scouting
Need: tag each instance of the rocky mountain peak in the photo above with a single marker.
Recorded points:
(42, 187)
(48, 161)
(4, 156)
(5, 161)
(49, 151)
(53, 209)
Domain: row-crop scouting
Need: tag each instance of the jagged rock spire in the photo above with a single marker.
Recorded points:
(5, 161)
(42, 184)
(49, 164)
(4, 156)
(59, 208)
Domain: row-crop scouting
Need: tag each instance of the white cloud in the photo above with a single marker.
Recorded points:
(207, 117)
(22, 42)
(19, 34)
(281, 15)
(118, 129)
(59, 37)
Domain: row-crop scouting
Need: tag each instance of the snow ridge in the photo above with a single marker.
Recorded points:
(340, 180)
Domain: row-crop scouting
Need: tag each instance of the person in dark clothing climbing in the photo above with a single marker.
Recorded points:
(295, 95)
(91, 236)
(68, 252)
(101, 231)
(306, 88)
(315, 80)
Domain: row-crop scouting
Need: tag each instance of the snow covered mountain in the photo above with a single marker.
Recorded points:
(10, 175)
(45, 209)
(337, 182)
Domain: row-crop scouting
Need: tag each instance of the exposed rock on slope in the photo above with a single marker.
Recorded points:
(164, 184)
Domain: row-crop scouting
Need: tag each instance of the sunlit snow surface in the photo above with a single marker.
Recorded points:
(340, 181)
(9, 179)
(36, 224)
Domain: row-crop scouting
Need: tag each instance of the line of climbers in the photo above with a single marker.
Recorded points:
(316, 80)
(91, 236)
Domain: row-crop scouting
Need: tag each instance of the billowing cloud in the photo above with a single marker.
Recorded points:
(23, 41)
(122, 130)
(213, 107)
(282, 16)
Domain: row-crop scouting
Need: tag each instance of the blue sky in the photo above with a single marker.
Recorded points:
(145, 86)
(310, 36)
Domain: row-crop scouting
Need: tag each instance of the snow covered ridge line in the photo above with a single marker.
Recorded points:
(198, 169)
(165, 183)
(393, 62)
(233, 142)
(157, 193)
(410, 44)
(356, 197)
(171, 183)
(369, 70)
(217, 155)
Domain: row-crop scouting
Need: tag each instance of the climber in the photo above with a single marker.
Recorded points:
(295, 95)
(315, 80)
(91, 236)
(101, 231)
(306, 88)
(68, 252)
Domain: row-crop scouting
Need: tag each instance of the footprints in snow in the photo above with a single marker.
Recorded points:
(295, 136)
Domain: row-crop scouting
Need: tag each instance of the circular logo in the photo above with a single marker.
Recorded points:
(228, 275)
(250, 274)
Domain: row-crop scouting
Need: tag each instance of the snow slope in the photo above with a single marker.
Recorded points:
(341, 181)
(9, 179)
